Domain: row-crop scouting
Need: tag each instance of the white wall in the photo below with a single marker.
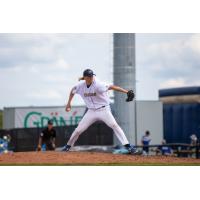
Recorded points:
(8, 118)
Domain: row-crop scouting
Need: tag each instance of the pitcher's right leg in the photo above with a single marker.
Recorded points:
(87, 120)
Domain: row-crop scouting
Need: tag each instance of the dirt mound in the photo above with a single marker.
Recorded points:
(89, 158)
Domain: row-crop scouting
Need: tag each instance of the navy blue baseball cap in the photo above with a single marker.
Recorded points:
(50, 122)
(88, 73)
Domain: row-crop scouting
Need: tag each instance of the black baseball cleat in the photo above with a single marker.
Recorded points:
(66, 148)
(132, 150)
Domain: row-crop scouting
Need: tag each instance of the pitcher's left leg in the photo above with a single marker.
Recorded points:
(107, 117)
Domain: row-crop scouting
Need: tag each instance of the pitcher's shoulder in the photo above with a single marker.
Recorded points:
(80, 84)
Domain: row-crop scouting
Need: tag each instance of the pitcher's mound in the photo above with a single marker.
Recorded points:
(89, 158)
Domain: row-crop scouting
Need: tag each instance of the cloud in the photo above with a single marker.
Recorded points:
(180, 82)
(166, 60)
(46, 95)
(25, 49)
(41, 69)
(180, 57)
(194, 43)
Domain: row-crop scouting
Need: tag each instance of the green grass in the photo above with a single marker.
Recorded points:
(1, 119)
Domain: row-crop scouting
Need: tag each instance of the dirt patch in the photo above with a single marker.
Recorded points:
(89, 158)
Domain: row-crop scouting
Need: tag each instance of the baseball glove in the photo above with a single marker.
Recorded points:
(130, 95)
(39, 148)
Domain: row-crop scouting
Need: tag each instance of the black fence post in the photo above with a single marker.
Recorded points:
(178, 153)
(197, 150)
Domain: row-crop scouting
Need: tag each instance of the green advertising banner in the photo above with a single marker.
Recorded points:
(38, 117)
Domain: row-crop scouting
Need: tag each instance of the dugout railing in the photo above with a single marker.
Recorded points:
(180, 149)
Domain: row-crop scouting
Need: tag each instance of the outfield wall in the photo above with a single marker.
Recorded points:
(26, 139)
(149, 117)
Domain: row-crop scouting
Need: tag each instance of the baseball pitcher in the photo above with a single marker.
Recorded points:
(95, 96)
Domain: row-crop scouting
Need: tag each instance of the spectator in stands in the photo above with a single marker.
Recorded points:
(145, 142)
(164, 150)
(193, 139)
(1, 145)
(193, 143)
(4, 143)
(47, 138)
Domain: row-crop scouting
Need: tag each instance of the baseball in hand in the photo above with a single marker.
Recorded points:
(68, 108)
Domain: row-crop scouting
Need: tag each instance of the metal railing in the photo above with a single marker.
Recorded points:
(178, 148)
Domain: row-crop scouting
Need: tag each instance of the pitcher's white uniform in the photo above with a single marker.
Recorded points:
(97, 101)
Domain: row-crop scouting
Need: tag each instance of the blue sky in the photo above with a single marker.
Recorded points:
(40, 69)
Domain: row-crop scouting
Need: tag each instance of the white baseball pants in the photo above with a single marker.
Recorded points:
(102, 114)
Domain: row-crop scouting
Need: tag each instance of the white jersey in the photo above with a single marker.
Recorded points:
(95, 96)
